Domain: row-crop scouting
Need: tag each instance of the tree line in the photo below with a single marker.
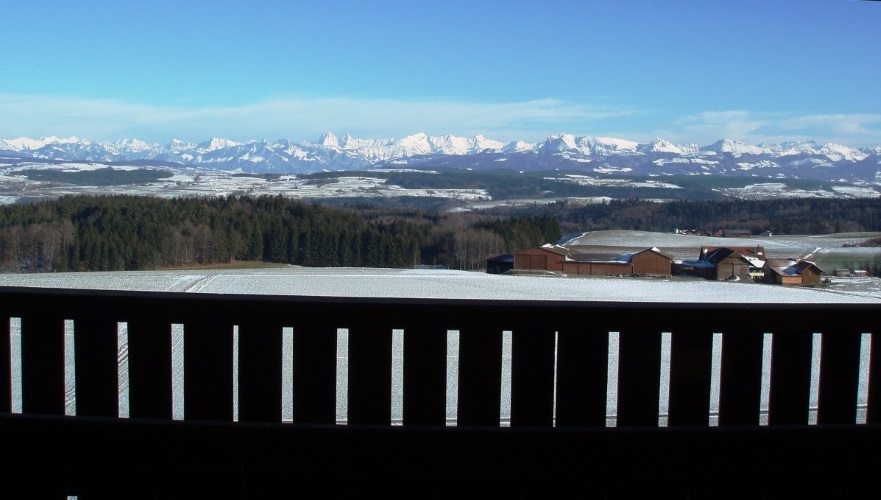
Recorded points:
(123, 232)
(114, 233)
(779, 216)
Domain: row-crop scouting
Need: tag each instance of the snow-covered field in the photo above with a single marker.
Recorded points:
(446, 284)
(204, 182)
(765, 190)
(418, 283)
(199, 181)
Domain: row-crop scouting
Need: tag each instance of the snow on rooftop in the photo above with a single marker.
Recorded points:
(439, 284)
(754, 261)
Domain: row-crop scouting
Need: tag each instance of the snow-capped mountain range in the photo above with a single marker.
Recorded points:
(803, 159)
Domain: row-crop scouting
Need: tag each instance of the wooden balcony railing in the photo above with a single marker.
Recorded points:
(556, 439)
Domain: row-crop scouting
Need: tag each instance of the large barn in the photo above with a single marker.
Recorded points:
(587, 261)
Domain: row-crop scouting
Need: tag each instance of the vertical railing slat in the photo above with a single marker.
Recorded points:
(691, 364)
(96, 363)
(5, 363)
(42, 364)
(149, 368)
(839, 377)
(740, 384)
(480, 377)
(532, 377)
(582, 377)
(208, 370)
(425, 376)
(873, 406)
(370, 375)
(260, 370)
(791, 352)
(315, 357)
(639, 377)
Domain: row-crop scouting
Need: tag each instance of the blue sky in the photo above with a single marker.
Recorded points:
(689, 71)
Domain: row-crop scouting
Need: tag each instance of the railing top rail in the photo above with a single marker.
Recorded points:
(678, 303)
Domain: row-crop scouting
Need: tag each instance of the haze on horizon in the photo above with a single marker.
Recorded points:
(687, 71)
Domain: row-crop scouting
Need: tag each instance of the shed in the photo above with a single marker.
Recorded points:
(792, 272)
(499, 264)
(544, 258)
(652, 262)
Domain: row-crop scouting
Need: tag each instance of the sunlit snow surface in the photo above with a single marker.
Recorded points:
(401, 283)
(417, 283)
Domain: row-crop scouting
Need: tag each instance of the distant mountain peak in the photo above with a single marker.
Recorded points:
(27, 144)
(518, 147)
(329, 140)
(593, 154)
(133, 145)
(217, 143)
(733, 147)
(659, 146)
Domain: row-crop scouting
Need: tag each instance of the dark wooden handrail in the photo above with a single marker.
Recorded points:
(559, 359)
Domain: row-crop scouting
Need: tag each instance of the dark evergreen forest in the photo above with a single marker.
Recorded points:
(779, 216)
(105, 233)
(99, 233)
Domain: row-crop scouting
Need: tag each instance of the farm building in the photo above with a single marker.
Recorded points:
(499, 264)
(587, 261)
(543, 258)
(724, 263)
(792, 272)
(731, 233)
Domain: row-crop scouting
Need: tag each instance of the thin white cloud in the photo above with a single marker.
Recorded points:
(294, 118)
(301, 118)
(710, 126)
(843, 124)
(855, 130)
